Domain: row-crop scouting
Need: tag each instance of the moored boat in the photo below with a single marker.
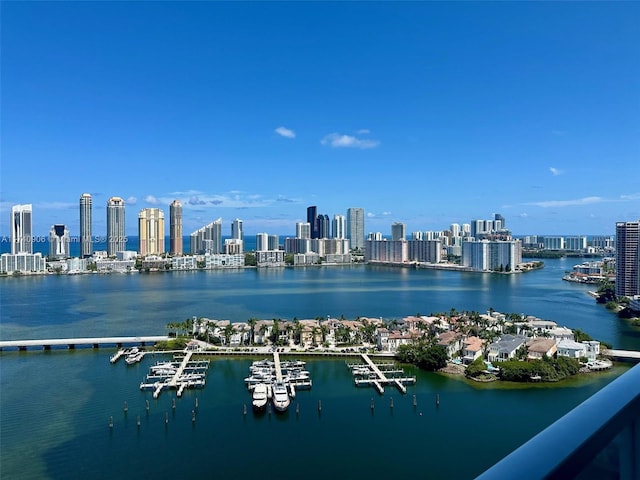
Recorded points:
(280, 396)
(260, 397)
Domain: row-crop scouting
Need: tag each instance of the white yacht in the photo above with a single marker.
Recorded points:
(134, 357)
(260, 397)
(280, 396)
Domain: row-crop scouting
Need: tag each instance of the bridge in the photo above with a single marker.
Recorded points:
(72, 343)
(621, 354)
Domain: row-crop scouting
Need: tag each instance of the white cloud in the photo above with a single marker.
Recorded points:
(152, 200)
(363, 131)
(337, 140)
(632, 196)
(523, 215)
(285, 132)
(568, 203)
(131, 201)
(555, 171)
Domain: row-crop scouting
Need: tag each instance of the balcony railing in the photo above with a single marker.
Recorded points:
(599, 439)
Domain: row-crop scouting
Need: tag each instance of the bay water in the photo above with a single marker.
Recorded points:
(55, 405)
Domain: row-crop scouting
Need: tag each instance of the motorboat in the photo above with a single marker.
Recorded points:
(280, 396)
(260, 397)
(134, 357)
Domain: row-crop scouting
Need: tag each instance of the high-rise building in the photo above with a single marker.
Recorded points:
(355, 227)
(312, 220)
(116, 238)
(236, 230)
(324, 226)
(303, 230)
(151, 231)
(175, 228)
(274, 242)
(59, 241)
(86, 240)
(398, 231)
(207, 239)
(339, 227)
(262, 242)
(21, 229)
(628, 259)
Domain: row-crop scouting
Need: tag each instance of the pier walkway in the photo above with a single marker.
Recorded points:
(72, 343)
(278, 368)
(378, 378)
(174, 380)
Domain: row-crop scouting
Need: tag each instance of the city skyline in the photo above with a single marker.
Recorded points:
(424, 113)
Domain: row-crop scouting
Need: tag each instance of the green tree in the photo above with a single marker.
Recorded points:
(252, 326)
(227, 332)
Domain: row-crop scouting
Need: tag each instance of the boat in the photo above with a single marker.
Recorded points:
(260, 397)
(280, 396)
(134, 357)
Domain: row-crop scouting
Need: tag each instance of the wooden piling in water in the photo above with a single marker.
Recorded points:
(437, 399)
(126, 407)
(111, 422)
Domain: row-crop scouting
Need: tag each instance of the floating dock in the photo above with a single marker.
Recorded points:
(176, 375)
(376, 375)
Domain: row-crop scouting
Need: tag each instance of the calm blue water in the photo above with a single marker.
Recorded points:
(55, 405)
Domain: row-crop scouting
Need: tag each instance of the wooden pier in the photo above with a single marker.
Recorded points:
(377, 377)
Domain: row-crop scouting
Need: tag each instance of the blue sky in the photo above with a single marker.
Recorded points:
(426, 113)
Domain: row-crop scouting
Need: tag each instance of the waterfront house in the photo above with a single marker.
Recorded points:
(592, 349)
(505, 348)
(571, 349)
(539, 347)
(561, 333)
(452, 342)
(472, 349)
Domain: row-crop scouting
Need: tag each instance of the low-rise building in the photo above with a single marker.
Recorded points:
(537, 348)
(505, 348)
(472, 349)
(572, 349)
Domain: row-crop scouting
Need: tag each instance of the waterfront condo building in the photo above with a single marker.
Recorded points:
(116, 239)
(236, 230)
(627, 259)
(492, 256)
(151, 231)
(86, 241)
(21, 229)
(59, 241)
(207, 239)
(175, 228)
(355, 227)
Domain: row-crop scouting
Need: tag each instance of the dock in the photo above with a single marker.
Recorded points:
(188, 374)
(372, 375)
(278, 367)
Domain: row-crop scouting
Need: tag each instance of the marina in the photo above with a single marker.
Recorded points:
(379, 374)
(277, 381)
(177, 375)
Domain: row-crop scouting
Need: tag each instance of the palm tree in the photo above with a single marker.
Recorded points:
(252, 324)
(297, 331)
(323, 331)
(228, 331)
(314, 332)
(275, 333)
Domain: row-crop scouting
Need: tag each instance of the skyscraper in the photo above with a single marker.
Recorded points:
(86, 241)
(236, 230)
(339, 227)
(398, 231)
(175, 228)
(355, 227)
(303, 230)
(116, 239)
(21, 229)
(627, 259)
(323, 226)
(207, 239)
(59, 241)
(312, 220)
(151, 231)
